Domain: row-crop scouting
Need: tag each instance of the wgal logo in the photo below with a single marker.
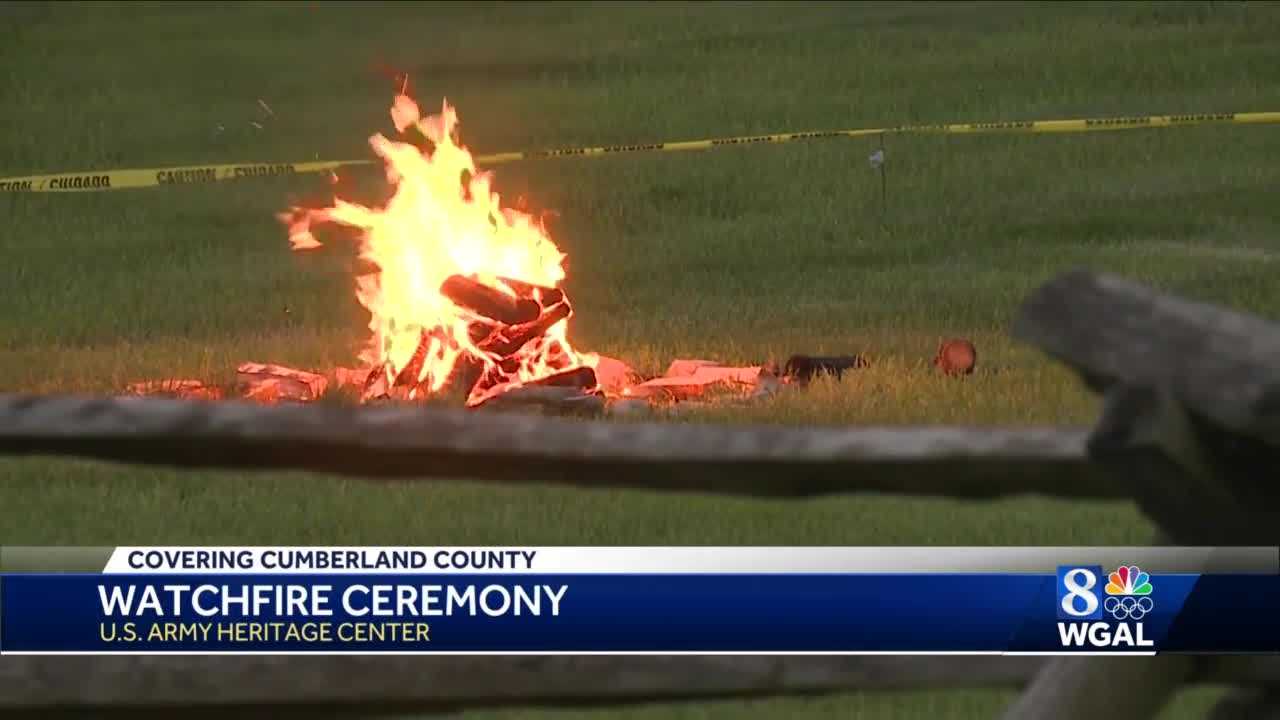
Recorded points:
(1076, 597)
(1128, 598)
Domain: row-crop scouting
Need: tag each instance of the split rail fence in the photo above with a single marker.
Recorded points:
(1190, 431)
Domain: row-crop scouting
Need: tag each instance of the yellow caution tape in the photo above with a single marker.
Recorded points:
(152, 177)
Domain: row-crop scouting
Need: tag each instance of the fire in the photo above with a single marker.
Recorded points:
(444, 230)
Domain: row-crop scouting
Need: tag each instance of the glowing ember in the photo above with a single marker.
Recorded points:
(458, 277)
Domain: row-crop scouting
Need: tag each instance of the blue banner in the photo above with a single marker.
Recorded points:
(1076, 609)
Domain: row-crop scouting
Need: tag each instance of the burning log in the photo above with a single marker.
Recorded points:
(452, 301)
(466, 373)
(490, 302)
(545, 296)
(508, 325)
(409, 374)
(376, 384)
(413, 374)
(409, 383)
(497, 379)
(508, 341)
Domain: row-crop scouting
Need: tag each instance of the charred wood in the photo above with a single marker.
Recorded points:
(509, 341)
(580, 377)
(489, 302)
(546, 296)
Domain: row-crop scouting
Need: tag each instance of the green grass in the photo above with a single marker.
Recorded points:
(739, 254)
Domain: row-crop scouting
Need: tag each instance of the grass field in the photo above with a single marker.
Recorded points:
(739, 254)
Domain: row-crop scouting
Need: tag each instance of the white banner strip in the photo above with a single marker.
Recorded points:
(700, 560)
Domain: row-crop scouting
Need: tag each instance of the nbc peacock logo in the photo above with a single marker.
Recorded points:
(1128, 593)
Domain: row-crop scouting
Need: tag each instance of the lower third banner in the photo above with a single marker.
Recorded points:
(1077, 608)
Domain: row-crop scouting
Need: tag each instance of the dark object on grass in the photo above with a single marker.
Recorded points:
(805, 367)
(955, 357)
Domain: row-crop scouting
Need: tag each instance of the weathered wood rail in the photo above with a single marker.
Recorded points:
(440, 684)
(1190, 430)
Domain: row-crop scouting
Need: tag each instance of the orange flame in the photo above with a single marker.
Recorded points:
(443, 219)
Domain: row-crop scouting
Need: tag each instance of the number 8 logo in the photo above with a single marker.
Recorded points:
(1079, 591)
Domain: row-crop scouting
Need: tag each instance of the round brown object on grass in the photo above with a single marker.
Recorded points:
(956, 357)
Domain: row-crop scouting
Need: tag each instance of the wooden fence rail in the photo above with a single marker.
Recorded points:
(1190, 430)
(425, 444)
(442, 683)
